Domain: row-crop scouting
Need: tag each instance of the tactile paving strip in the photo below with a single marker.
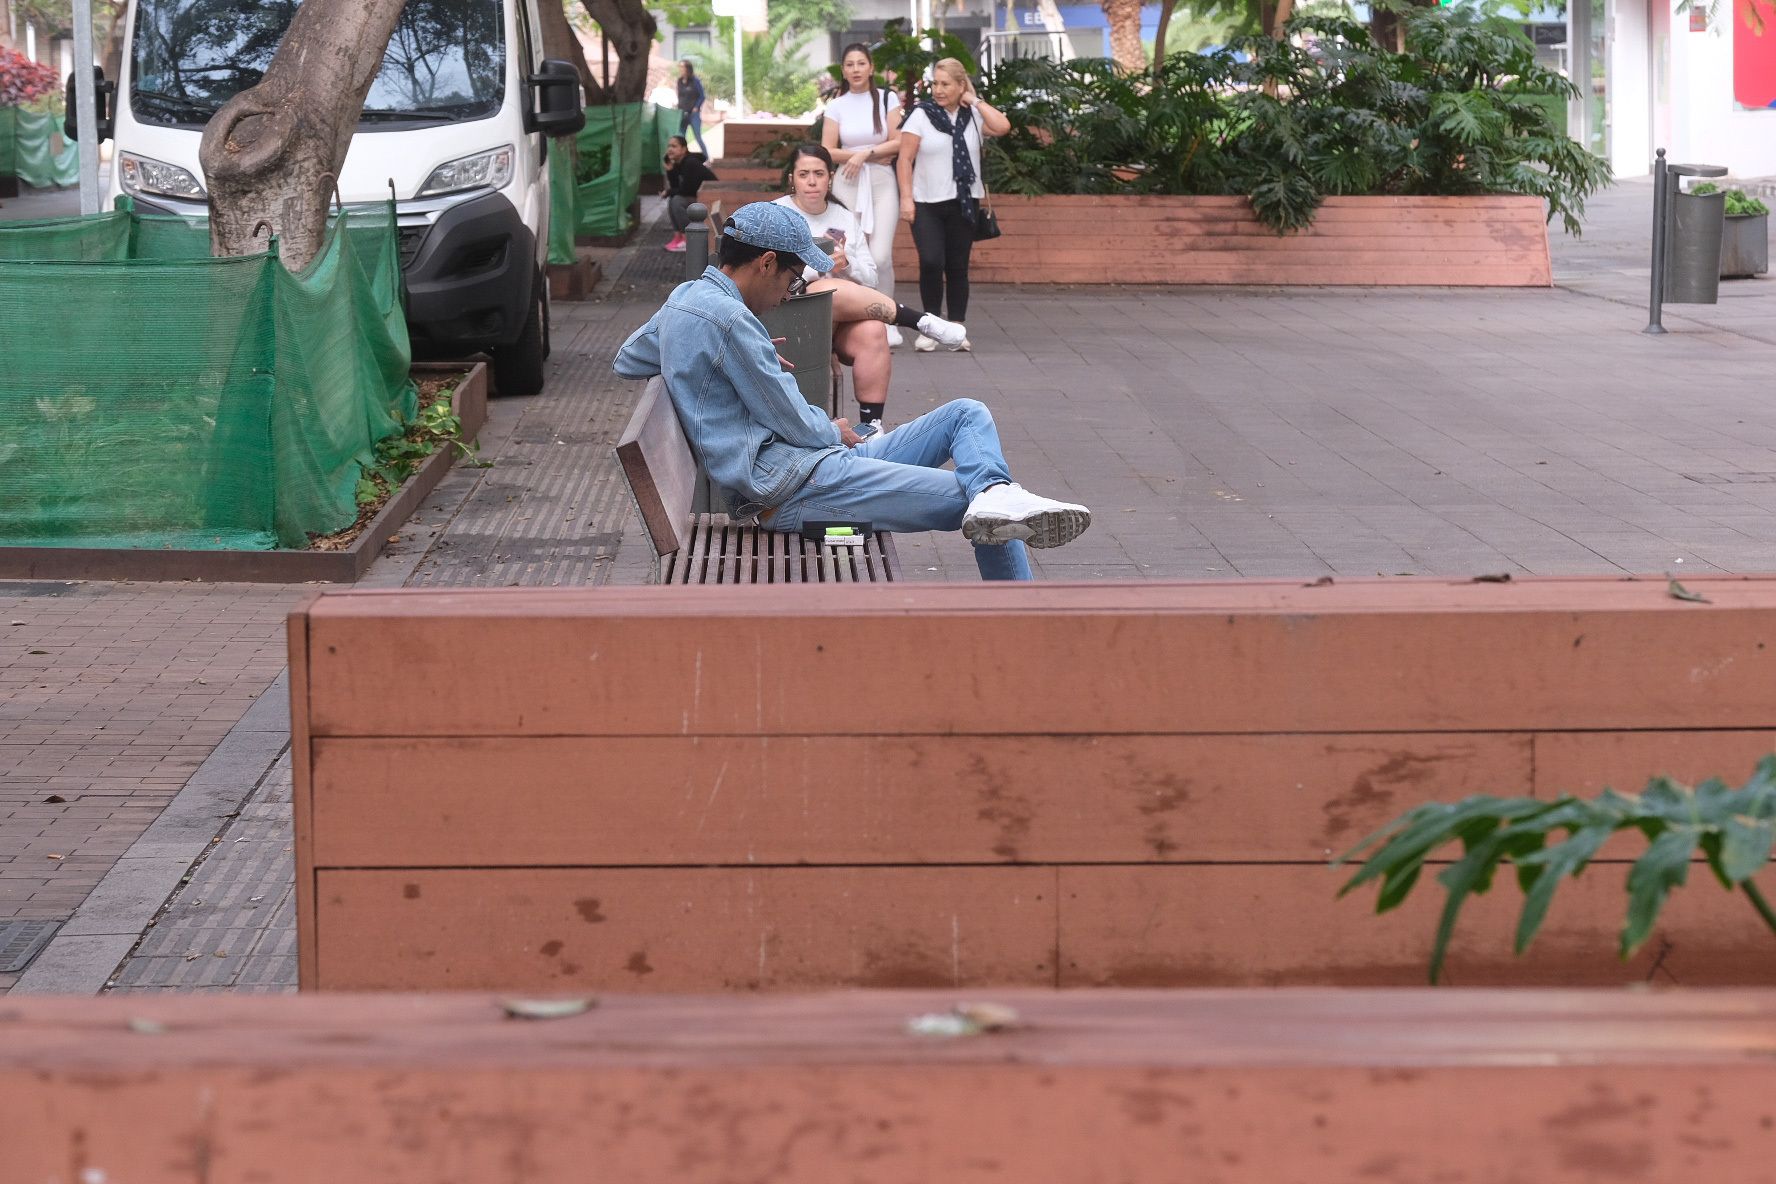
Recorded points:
(21, 941)
(551, 511)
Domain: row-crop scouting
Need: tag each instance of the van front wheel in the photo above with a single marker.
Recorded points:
(518, 368)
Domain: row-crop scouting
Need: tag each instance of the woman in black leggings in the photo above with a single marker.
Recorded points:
(940, 187)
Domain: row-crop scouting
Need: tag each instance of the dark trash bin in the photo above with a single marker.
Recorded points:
(1693, 253)
(805, 322)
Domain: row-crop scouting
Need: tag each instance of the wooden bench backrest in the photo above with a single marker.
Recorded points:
(658, 464)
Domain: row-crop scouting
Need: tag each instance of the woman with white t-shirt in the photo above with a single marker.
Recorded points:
(862, 134)
(940, 186)
(862, 316)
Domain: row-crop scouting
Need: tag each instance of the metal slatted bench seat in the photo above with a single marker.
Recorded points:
(695, 548)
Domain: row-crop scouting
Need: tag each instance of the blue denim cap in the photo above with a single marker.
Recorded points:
(765, 224)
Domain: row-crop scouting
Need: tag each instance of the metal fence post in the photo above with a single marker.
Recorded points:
(696, 241)
(1661, 200)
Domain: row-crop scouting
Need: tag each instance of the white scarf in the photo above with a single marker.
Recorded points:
(864, 205)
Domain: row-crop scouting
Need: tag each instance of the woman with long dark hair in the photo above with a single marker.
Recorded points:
(940, 187)
(862, 316)
(862, 134)
(685, 173)
(690, 104)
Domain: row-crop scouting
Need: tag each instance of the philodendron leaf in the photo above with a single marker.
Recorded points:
(1460, 879)
(1665, 865)
(1556, 863)
(1745, 846)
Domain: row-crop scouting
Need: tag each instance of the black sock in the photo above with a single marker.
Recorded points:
(905, 317)
(869, 412)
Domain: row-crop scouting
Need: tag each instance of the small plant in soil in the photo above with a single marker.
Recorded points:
(398, 457)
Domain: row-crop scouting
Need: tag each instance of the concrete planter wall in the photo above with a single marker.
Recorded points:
(1498, 241)
(1745, 246)
(1493, 241)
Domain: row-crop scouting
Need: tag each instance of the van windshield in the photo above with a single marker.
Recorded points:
(446, 60)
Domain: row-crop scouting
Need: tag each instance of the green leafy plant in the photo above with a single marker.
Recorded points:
(1733, 828)
(591, 163)
(1090, 126)
(399, 456)
(1739, 202)
(1466, 109)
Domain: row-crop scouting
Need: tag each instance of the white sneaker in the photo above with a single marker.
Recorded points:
(894, 337)
(1007, 512)
(962, 346)
(944, 332)
(924, 344)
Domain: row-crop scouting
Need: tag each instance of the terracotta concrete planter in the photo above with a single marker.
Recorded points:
(742, 137)
(1481, 242)
(1495, 241)
(1745, 246)
(685, 804)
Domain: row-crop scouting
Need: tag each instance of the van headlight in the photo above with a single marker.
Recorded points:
(140, 174)
(484, 170)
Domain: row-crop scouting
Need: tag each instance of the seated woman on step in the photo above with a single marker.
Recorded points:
(861, 315)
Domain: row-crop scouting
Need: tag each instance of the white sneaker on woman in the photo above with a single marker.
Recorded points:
(923, 343)
(1007, 512)
(963, 346)
(894, 337)
(947, 333)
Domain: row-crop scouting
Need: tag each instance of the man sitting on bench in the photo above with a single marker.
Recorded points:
(777, 457)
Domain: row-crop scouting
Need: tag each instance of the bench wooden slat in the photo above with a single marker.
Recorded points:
(659, 466)
(709, 548)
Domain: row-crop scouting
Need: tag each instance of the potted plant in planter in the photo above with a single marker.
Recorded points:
(1745, 243)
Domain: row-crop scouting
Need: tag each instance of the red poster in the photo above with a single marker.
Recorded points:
(1754, 53)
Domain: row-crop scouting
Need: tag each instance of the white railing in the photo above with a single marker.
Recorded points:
(1000, 45)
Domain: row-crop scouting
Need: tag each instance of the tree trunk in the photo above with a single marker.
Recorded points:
(273, 152)
(113, 55)
(629, 28)
(1388, 30)
(1159, 34)
(561, 42)
(1280, 17)
(1125, 33)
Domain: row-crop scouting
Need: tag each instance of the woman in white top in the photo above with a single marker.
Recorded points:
(862, 134)
(940, 186)
(861, 315)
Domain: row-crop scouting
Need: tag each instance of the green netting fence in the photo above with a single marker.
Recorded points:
(155, 397)
(27, 150)
(618, 144)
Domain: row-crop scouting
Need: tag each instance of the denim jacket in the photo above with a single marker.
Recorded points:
(744, 416)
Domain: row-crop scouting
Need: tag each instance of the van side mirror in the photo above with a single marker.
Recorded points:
(103, 107)
(556, 107)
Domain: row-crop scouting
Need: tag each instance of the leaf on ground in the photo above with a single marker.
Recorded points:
(1496, 577)
(990, 1017)
(547, 1009)
(1678, 592)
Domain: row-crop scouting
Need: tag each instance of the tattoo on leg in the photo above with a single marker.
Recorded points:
(880, 312)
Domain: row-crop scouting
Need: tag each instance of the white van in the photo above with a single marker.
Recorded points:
(457, 121)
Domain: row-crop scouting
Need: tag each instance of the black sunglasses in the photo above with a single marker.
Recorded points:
(798, 285)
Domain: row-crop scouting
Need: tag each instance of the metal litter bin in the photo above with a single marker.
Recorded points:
(1693, 253)
(1686, 238)
(805, 323)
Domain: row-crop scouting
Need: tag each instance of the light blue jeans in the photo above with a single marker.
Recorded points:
(894, 482)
